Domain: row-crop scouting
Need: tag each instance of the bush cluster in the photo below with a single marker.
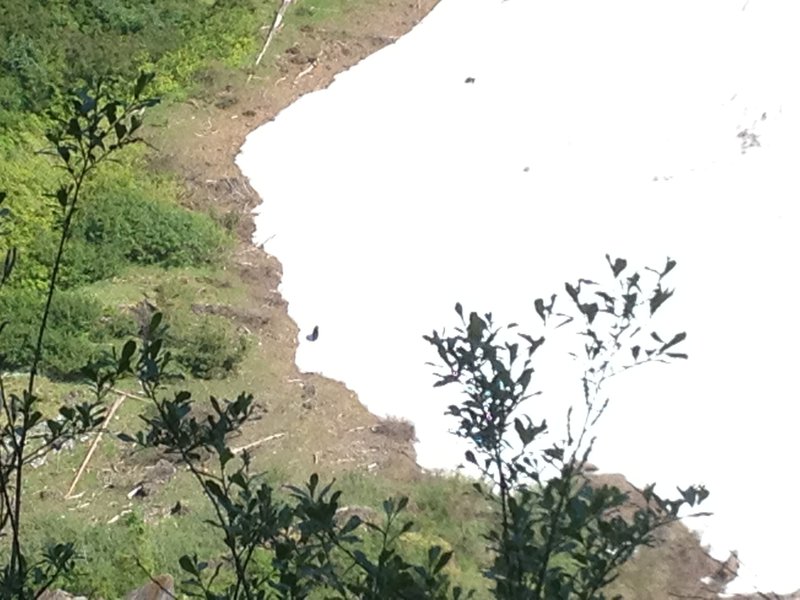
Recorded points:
(147, 231)
(127, 215)
(206, 346)
(74, 329)
(47, 46)
(81, 330)
(123, 222)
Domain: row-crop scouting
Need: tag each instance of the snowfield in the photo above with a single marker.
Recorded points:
(639, 128)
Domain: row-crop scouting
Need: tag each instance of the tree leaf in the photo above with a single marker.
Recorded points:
(74, 128)
(512, 352)
(538, 304)
(659, 297)
(63, 151)
(62, 195)
(573, 292)
(670, 265)
(443, 560)
(617, 266)
(353, 523)
(120, 130)
(630, 305)
(522, 432)
(590, 310)
(189, 565)
(402, 503)
(677, 339)
(609, 300)
(555, 452)
(142, 82)
(534, 344)
(476, 328)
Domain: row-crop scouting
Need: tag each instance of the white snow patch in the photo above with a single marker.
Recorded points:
(591, 127)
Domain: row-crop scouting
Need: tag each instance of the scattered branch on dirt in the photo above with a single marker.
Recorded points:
(93, 447)
(309, 68)
(264, 440)
(117, 517)
(129, 395)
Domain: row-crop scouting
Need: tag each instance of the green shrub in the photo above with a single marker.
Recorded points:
(128, 216)
(70, 339)
(45, 46)
(83, 262)
(27, 178)
(118, 324)
(19, 310)
(208, 346)
(81, 329)
(124, 222)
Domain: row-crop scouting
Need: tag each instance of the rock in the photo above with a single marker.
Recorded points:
(161, 587)
(728, 570)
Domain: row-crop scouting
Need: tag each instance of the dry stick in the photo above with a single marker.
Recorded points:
(129, 395)
(308, 69)
(96, 441)
(269, 438)
(275, 24)
(305, 71)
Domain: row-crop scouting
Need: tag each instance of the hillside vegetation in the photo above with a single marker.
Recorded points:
(130, 217)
